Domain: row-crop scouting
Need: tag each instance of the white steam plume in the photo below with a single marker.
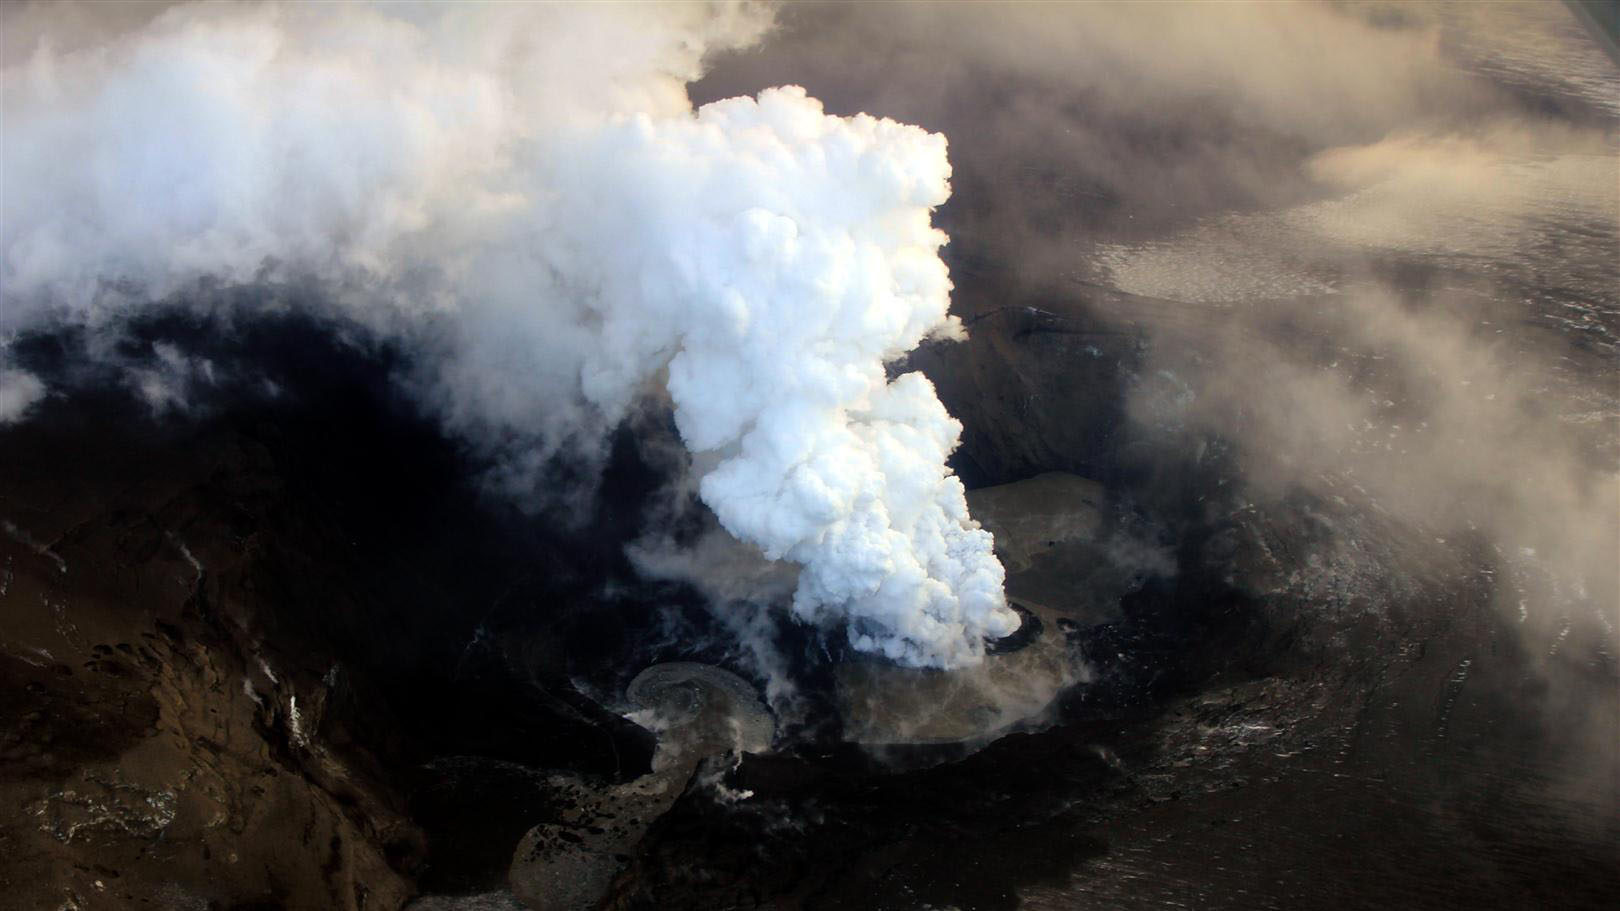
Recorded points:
(525, 195)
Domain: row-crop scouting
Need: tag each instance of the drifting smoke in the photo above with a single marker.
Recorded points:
(19, 390)
(1360, 240)
(526, 200)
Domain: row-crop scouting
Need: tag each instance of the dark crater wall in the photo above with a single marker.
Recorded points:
(345, 564)
(356, 691)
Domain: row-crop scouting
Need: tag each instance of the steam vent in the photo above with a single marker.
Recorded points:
(753, 456)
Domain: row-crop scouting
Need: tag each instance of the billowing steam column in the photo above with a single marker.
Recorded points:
(781, 257)
(522, 198)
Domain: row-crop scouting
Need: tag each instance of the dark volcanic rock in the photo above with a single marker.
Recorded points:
(234, 641)
(161, 752)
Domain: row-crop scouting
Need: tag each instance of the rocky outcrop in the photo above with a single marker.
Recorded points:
(157, 753)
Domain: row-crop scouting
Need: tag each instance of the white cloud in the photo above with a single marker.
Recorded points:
(524, 195)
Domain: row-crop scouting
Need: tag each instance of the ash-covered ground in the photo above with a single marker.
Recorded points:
(1289, 394)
